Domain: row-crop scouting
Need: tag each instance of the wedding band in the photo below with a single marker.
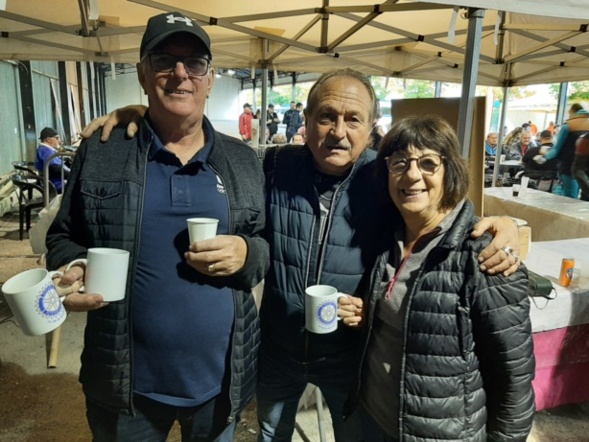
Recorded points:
(507, 250)
(211, 267)
(516, 258)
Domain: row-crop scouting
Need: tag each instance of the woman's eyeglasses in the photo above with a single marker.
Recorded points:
(194, 66)
(427, 164)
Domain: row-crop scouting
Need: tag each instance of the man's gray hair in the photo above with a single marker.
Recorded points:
(313, 99)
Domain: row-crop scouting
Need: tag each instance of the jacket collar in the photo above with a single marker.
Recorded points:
(461, 225)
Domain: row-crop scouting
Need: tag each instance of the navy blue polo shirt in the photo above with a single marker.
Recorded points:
(181, 319)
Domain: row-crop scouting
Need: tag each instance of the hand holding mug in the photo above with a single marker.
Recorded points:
(106, 272)
(70, 285)
(321, 308)
(351, 310)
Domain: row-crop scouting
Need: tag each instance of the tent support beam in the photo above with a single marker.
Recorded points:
(471, 68)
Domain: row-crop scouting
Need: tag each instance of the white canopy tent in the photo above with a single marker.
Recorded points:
(492, 42)
(404, 38)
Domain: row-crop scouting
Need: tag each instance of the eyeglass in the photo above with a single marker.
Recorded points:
(194, 66)
(427, 164)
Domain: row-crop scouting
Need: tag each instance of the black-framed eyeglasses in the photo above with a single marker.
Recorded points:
(194, 66)
(427, 164)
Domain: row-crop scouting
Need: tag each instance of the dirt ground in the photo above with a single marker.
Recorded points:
(50, 408)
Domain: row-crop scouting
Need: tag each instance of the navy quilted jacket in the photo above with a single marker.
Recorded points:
(102, 208)
(344, 260)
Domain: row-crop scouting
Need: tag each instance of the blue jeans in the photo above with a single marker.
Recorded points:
(154, 420)
(570, 186)
(282, 381)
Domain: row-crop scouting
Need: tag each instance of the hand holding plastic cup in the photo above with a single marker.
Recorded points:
(321, 308)
(106, 272)
(200, 229)
(34, 301)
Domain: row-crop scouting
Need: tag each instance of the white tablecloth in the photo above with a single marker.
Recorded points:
(551, 217)
(571, 305)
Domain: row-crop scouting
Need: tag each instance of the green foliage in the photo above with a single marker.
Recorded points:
(578, 90)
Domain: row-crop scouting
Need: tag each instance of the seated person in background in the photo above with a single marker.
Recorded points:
(48, 146)
(519, 149)
(491, 144)
(278, 139)
(535, 170)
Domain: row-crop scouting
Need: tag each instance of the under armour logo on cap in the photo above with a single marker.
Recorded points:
(162, 26)
(172, 19)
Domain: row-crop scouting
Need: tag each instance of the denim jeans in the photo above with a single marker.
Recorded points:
(282, 381)
(570, 186)
(154, 420)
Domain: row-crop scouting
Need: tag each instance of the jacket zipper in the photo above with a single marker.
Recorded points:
(230, 229)
(323, 245)
(136, 252)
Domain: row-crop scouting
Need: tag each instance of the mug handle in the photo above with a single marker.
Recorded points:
(83, 261)
(52, 275)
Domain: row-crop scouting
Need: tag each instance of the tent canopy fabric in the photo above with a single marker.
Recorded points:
(523, 42)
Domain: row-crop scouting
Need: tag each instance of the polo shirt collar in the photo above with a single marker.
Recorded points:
(149, 138)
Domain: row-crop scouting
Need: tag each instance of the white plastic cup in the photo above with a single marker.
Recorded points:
(516, 189)
(200, 229)
(321, 308)
(106, 272)
(34, 301)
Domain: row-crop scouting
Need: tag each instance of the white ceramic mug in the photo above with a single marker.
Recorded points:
(34, 301)
(106, 272)
(200, 229)
(321, 308)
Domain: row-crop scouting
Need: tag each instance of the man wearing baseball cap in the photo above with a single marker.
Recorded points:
(58, 172)
(182, 345)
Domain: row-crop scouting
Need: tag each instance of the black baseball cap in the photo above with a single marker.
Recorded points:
(48, 132)
(162, 26)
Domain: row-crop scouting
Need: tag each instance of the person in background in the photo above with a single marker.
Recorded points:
(323, 229)
(376, 134)
(581, 165)
(444, 342)
(297, 139)
(278, 139)
(533, 128)
(182, 345)
(58, 171)
(491, 144)
(272, 121)
(288, 114)
(295, 122)
(245, 123)
(551, 127)
(564, 149)
(511, 139)
(538, 171)
(519, 149)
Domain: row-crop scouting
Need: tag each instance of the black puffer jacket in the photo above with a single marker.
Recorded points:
(299, 260)
(468, 357)
(102, 207)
